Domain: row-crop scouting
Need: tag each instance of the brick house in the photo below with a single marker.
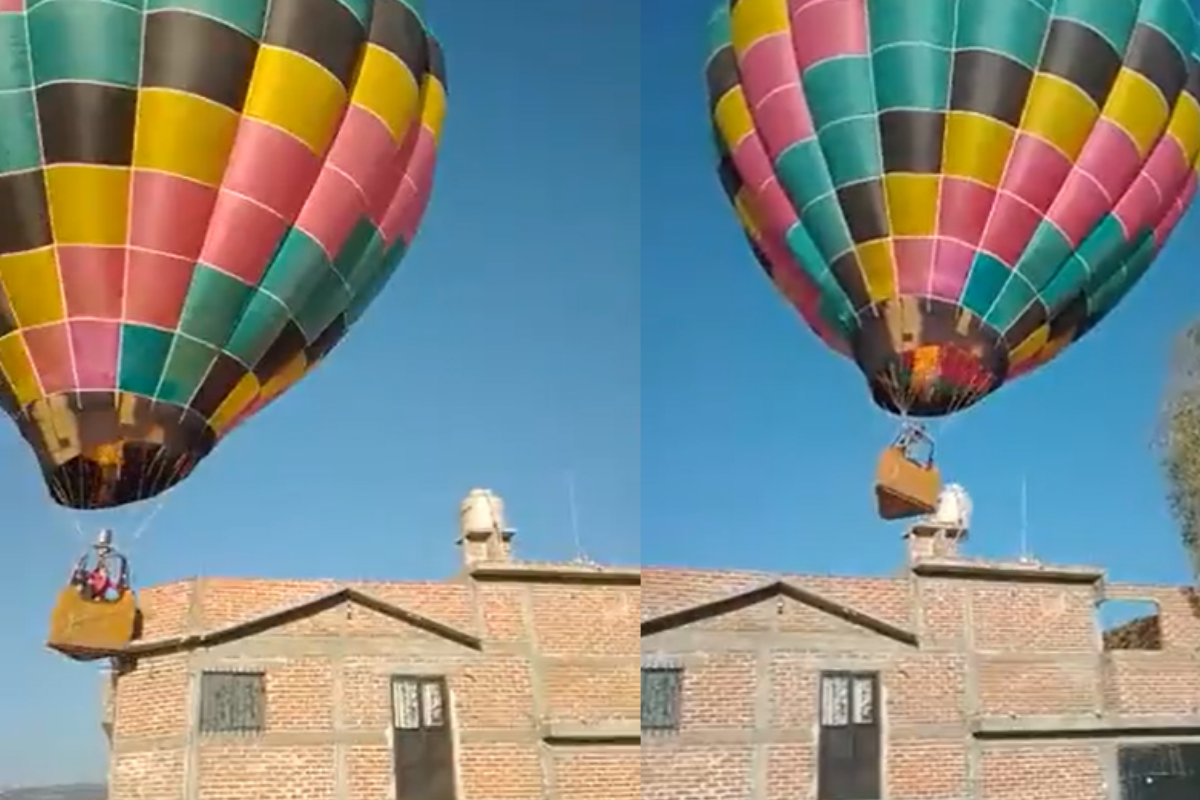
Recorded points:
(512, 680)
(957, 679)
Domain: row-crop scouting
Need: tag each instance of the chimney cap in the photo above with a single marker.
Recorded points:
(482, 513)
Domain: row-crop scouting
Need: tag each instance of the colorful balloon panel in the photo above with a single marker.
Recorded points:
(197, 199)
(952, 191)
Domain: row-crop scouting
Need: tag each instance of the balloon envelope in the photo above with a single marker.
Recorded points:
(197, 199)
(951, 191)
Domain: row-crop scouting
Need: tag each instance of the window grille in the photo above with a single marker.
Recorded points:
(835, 701)
(232, 702)
(864, 700)
(418, 703)
(661, 695)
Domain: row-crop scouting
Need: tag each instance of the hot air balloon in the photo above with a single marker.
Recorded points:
(198, 198)
(950, 192)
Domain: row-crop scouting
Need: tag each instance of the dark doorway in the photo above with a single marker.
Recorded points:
(848, 761)
(1160, 772)
(423, 748)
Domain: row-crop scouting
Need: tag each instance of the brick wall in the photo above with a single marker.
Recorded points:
(994, 682)
(541, 666)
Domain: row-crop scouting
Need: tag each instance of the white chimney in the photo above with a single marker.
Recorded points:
(940, 534)
(483, 530)
(953, 509)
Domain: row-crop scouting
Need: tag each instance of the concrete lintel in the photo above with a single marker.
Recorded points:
(720, 737)
(1085, 726)
(284, 649)
(679, 642)
(286, 739)
(608, 732)
(904, 732)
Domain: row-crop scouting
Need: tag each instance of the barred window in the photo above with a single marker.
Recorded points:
(662, 690)
(848, 699)
(418, 703)
(232, 702)
(835, 700)
(864, 700)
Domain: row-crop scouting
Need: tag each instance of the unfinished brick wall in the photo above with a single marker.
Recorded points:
(544, 703)
(977, 664)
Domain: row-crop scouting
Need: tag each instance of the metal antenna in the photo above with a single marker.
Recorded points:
(1024, 519)
(580, 556)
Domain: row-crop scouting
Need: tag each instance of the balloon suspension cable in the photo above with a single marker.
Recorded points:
(71, 515)
(59, 490)
(157, 465)
(153, 468)
(177, 469)
(143, 518)
(903, 397)
(78, 491)
(898, 392)
(960, 399)
(145, 524)
(61, 513)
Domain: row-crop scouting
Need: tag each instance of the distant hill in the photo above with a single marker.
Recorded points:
(69, 791)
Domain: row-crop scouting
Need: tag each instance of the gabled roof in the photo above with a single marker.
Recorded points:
(295, 611)
(769, 591)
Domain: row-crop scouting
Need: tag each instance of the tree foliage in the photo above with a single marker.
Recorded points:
(1179, 442)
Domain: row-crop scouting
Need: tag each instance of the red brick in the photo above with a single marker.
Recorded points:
(558, 650)
(991, 651)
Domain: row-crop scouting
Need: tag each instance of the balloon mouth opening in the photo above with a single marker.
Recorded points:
(138, 471)
(933, 380)
(924, 357)
(105, 449)
(926, 403)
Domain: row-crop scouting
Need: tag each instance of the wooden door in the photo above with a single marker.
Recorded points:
(423, 747)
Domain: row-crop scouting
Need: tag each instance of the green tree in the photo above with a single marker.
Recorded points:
(1179, 442)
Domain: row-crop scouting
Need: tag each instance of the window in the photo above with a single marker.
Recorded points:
(418, 703)
(661, 694)
(232, 702)
(847, 700)
(1129, 624)
(848, 765)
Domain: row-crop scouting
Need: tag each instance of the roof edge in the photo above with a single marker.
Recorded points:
(1019, 572)
(739, 600)
(280, 616)
(556, 573)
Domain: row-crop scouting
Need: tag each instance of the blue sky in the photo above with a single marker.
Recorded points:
(509, 352)
(759, 445)
(505, 354)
